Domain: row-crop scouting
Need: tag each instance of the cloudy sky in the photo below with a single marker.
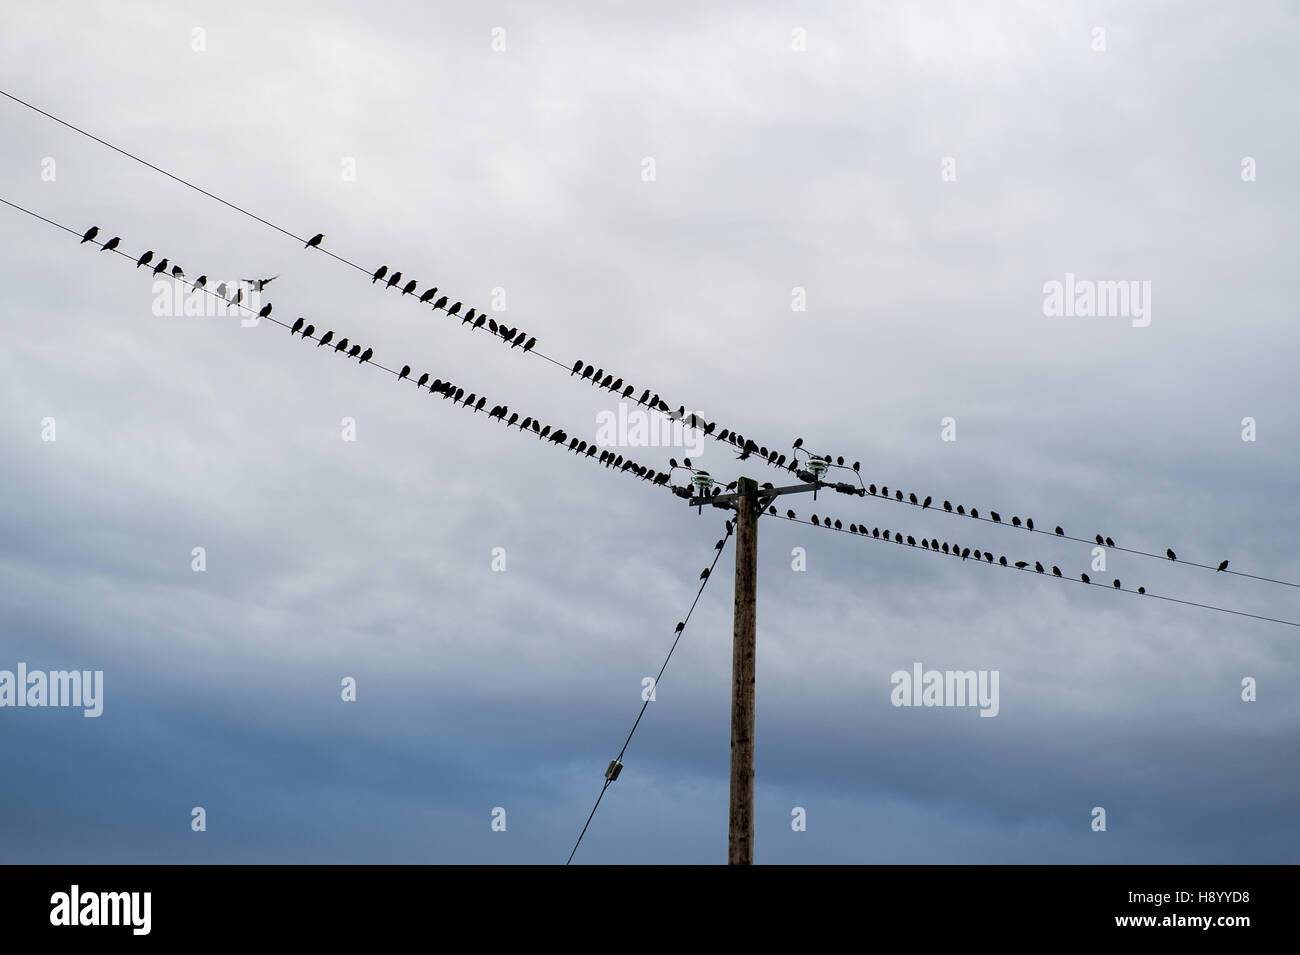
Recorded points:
(920, 172)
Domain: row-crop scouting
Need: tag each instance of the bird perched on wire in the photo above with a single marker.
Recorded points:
(409, 287)
(297, 326)
(428, 294)
(1170, 554)
(325, 339)
(112, 244)
(342, 345)
(379, 274)
(265, 312)
(161, 266)
(90, 235)
(366, 356)
(144, 259)
(1222, 566)
(309, 331)
(394, 279)
(315, 240)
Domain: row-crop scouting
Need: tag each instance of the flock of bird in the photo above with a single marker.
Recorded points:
(448, 390)
(475, 319)
(598, 377)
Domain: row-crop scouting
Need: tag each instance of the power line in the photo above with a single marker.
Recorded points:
(720, 435)
(617, 764)
(958, 553)
(447, 389)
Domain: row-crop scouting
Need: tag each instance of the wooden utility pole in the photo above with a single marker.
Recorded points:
(740, 839)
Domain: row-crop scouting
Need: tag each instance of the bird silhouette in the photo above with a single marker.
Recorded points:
(309, 331)
(379, 274)
(1002, 560)
(1099, 540)
(961, 510)
(178, 272)
(798, 443)
(394, 279)
(838, 526)
(161, 266)
(815, 522)
(221, 290)
(1115, 583)
(410, 287)
(425, 377)
(1109, 542)
(528, 346)
(965, 552)
(90, 235)
(406, 370)
(912, 497)
(258, 284)
(704, 574)
(315, 240)
(1059, 532)
(441, 303)
(898, 495)
(997, 518)
(790, 514)
(112, 244)
(1222, 566)
(974, 513)
(342, 345)
(1171, 555)
(297, 326)
(1056, 571)
(366, 355)
(325, 339)
(947, 506)
(1038, 566)
(428, 294)
(1085, 578)
(454, 309)
(1142, 590)
(354, 351)
(1021, 565)
(201, 281)
(144, 259)
(1029, 523)
(1015, 521)
(265, 312)
(945, 547)
(519, 340)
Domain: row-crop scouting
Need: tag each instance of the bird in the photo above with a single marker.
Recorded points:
(479, 407)
(798, 443)
(1038, 566)
(90, 235)
(258, 284)
(1029, 523)
(379, 274)
(393, 279)
(1222, 566)
(839, 526)
(454, 309)
(911, 541)
(528, 346)
(704, 574)
(1056, 571)
(577, 367)
(441, 303)
(912, 498)
(315, 240)
(469, 317)
(409, 287)
(112, 244)
(1085, 578)
(406, 370)
(1059, 532)
(342, 345)
(1099, 540)
(221, 290)
(997, 518)
(1021, 565)
(354, 351)
(520, 340)
(325, 339)
(265, 312)
(961, 510)
(1115, 583)
(1015, 521)
(201, 281)
(898, 495)
(428, 294)
(1142, 590)
(161, 266)
(144, 259)
(1170, 554)
(309, 331)
(988, 557)
(974, 513)
(790, 514)
(1003, 560)
(816, 523)
(1109, 542)
(947, 506)
(366, 355)
(425, 377)
(178, 272)
(297, 326)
